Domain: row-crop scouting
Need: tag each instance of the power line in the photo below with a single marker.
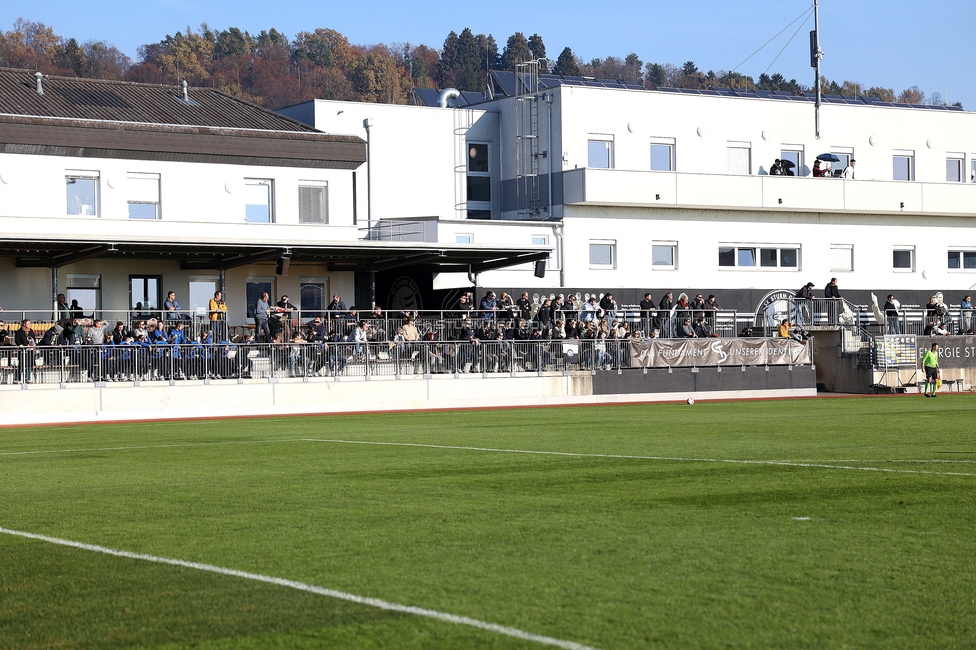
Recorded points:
(806, 13)
(787, 45)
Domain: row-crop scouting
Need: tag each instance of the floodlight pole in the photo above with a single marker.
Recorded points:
(816, 54)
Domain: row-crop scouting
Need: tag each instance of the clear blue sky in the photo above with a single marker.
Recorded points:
(891, 43)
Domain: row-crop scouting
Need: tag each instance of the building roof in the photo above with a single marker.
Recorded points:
(117, 119)
(505, 84)
(138, 103)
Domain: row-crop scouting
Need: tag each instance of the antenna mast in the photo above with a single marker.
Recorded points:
(816, 54)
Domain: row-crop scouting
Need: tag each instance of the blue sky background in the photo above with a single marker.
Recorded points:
(895, 44)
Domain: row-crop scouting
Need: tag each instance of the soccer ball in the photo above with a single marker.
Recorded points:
(691, 401)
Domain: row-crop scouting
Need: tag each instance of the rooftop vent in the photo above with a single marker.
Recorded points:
(37, 83)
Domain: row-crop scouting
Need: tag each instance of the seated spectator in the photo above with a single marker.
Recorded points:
(410, 332)
(702, 329)
(608, 306)
(746, 332)
(119, 334)
(784, 328)
(686, 331)
(935, 329)
(591, 310)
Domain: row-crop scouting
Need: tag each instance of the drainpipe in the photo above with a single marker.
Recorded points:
(558, 231)
(54, 291)
(367, 124)
(549, 154)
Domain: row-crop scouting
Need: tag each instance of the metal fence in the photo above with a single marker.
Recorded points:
(135, 363)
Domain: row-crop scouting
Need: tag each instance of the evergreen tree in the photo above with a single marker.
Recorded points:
(538, 50)
(516, 51)
(566, 64)
(654, 76)
(468, 62)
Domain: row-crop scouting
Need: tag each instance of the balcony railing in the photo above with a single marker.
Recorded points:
(647, 188)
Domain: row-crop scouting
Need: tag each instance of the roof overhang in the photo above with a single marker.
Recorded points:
(341, 256)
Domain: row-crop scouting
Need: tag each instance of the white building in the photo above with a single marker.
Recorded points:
(115, 193)
(670, 190)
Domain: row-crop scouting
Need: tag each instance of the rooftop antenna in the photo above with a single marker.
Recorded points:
(816, 54)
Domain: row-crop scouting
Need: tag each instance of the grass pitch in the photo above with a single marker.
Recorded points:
(826, 523)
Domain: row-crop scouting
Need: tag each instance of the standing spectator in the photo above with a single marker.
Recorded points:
(832, 292)
(172, 307)
(218, 316)
(76, 310)
(336, 304)
(262, 309)
(26, 340)
(608, 305)
(544, 315)
(488, 305)
(556, 309)
(966, 315)
(931, 363)
(570, 309)
(647, 312)
(849, 170)
(64, 312)
(711, 304)
(803, 302)
(506, 306)
(698, 306)
(891, 315)
(524, 306)
(285, 312)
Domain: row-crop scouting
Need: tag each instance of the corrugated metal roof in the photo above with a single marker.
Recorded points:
(121, 101)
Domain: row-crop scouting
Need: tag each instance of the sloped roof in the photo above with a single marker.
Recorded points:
(139, 103)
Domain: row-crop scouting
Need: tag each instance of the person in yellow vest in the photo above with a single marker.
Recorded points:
(931, 364)
(218, 317)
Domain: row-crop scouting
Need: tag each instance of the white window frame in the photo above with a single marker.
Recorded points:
(543, 240)
(958, 160)
(662, 142)
(846, 154)
(309, 184)
(909, 249)
(612, 243)
(607, 141)
(265, 182)
(738, 146)
(673, 245)
(757, 256)
(799, 150)
(847, 248)
(910, 156)
(141, 180)
(84, 282)
(469, 173)
(86, 175)
(960, 251)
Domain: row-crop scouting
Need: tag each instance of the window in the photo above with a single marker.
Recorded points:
(253, 288)
(903, 166)
(202, 289)
(86, 289)
(144, 292)
(143, 191)
(543, 240)
(841, 257)
(464, 239)
(662, 154)
(664, 255)
(599, 152)
(740, 158)
(82, 193)
(845, 154)
(312, 296)
(793, 154)
(769, 257)
(972, 168)
(313, 203)
(258, 200)
(903, 259)
(962, 260)
(954, 164)
(603, 254)
(479, 180)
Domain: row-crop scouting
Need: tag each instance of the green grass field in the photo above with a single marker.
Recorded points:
(819, 523)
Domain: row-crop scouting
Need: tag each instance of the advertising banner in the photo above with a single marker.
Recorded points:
(954, 351)
(663, 353)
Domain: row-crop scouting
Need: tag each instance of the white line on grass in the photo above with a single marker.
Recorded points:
(633, 457)
(321, 591)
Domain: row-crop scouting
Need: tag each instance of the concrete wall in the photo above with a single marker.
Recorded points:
(50, 404)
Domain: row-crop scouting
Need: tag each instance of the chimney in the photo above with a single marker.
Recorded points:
(38, 87)
(186, 95)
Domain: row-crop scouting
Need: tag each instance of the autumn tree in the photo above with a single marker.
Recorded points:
(911, 96)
